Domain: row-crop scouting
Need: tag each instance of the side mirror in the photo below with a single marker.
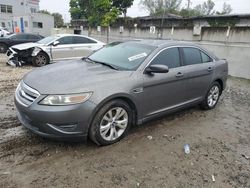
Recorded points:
(157, 69)
(55, 43)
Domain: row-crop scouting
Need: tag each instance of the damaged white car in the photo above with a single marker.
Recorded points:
(53, 48)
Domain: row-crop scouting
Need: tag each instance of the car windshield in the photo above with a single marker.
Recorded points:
(123, 55)
(47, 40)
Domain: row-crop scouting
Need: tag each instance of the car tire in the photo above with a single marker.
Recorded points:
(41, 59)
(3, 48)
(212, 97)
(111, 123)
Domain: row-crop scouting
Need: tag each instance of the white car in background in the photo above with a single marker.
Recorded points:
(53, 48)
(4, 32)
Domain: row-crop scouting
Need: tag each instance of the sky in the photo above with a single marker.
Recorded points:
(62, 6)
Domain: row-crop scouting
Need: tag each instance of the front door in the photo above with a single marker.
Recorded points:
(64, 50)
(164, 91)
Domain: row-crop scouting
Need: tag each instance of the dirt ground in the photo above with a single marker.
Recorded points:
(219, 142)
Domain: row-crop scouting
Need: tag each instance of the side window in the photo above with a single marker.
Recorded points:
(66, 40)
(21, 37)
(33, 37)
(205, 58)
(82, 40)
(169, 57)
(191, 56)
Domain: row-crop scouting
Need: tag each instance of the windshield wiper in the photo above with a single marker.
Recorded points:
(87, 59)
(108, 65)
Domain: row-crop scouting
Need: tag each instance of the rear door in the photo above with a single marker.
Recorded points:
(84, 46)
(164, 91)
(64, 50)
(198, 72)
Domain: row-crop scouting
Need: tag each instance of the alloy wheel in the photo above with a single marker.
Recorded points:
(41, 60)
(113, 124)
(213, 96)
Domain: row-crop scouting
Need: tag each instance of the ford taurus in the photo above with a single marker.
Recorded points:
(122, 84)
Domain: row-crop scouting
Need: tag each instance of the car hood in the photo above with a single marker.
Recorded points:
(72, 77)
(27, 46)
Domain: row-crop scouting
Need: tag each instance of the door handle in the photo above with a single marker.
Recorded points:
(210, 69)
(179, 74)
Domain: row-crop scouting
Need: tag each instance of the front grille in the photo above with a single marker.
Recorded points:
(23, 53)
(26, 95)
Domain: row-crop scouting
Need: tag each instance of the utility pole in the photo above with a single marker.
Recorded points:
(188, 5)
(162, 21)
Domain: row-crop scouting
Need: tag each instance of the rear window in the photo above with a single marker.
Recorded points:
(20, 37)
(34, 37)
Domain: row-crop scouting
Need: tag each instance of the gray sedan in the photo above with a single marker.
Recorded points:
(122, 84)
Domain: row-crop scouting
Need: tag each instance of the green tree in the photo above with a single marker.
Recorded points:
(123, 5)
(203, 9)
(44, 12)
(157, 7)
(98, 12)
(189, 12)
(226, 9)
(58, 20)
(103, 13)
(75, 9)
(206, 8)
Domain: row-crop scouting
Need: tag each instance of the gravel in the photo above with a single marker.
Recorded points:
(150, 156)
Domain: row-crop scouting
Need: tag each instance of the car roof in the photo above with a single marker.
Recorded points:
(26, 34)
(163, 43)
(65, 35)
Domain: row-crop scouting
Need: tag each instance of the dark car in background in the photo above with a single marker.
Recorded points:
(122, 84)
(10, 40)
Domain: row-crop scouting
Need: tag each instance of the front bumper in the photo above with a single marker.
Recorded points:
(22, 56)
(69, 123)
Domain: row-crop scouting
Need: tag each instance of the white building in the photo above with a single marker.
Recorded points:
(22, 15)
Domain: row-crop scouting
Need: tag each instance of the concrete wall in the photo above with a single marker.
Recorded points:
(46, 20)
(61, 31)
(19, 8)
(48, 23)
(232, 44)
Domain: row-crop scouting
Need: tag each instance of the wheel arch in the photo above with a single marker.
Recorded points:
(221, 84)
(44, 52)
(4, 43)
(124, 97)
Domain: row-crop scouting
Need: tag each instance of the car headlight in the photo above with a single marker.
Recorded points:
(60, 100)
(36, 50)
